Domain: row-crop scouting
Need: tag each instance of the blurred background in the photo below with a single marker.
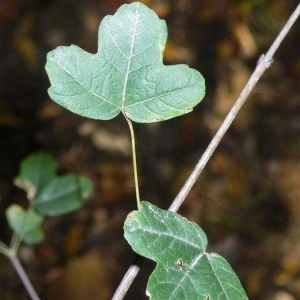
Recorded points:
(248, 198)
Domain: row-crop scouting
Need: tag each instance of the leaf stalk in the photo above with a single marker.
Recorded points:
(135, 172)
(263, 64)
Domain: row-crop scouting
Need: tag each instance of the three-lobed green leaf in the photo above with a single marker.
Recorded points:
(126, 74)
(184, 270)
(48, 193)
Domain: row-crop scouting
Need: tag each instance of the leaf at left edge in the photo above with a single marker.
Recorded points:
(126, 74)
(25, 223)
(184, 270)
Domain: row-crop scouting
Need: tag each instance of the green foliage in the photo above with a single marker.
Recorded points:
(184, 270)
(25, 223)
(35, 172)
(62, 194)
(48, 195)
(51, 194)
(127, 74)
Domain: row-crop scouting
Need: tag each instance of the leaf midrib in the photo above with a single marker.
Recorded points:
(129, 65)
(185, 241)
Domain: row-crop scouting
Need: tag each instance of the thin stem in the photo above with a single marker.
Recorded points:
(4, 249)
(126, 282)
(128, 278)
(179, 199)
(263, 63)
(15, 241)
(135, 172)
(17, 237)
(11, 253)
(282, 34)
(19, 269)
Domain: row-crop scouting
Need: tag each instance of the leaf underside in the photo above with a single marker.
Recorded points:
(126, 74)
(184, 270)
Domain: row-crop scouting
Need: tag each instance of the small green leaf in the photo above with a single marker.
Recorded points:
(62, 195)
(51, 194)
(127, 74)
(184, 270)
(25, 223)
(35, 172)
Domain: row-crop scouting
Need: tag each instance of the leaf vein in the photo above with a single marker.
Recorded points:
(161, 95)
(116, 44)
(185, 241)
(88, 90)
(129, 63)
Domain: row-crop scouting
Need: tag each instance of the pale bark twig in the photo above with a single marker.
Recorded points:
(27, 283)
